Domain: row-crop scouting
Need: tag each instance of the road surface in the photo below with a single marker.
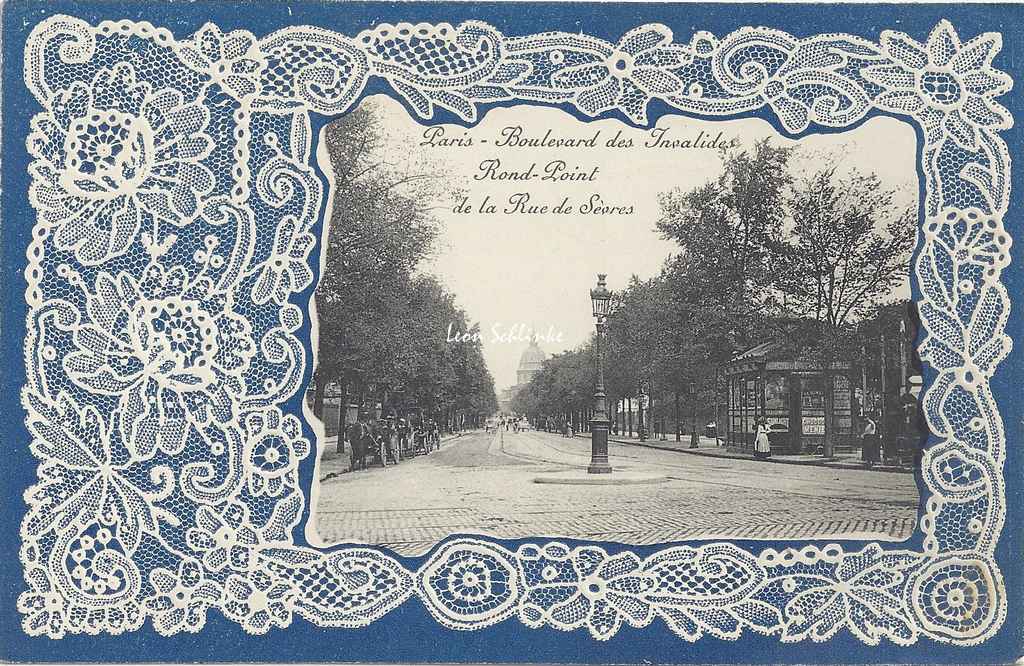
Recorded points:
(483, 483)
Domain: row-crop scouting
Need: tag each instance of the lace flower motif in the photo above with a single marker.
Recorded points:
(86, 476)
(225, 538)
(171, 348)
(638, 68)
(259, 601)
(103, 580)
(43, 607)
(233, 60)
(865, 595)
(274, 447)
(287, 268)
(112, 150)
(584, 587)
(181, 598)
(947, 85)
(964, 320)
(469, 581)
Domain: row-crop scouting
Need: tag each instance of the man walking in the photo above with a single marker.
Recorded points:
(358, 434)
(389, 433)
(403, 437)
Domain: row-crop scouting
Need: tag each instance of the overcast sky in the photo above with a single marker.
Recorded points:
(515, 272)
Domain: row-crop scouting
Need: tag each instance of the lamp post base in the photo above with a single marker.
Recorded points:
(599, 447)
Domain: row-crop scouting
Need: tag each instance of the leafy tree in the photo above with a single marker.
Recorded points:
(764, 253)
(848, 248)
(382, 325)
(717, 293)
(728, 231)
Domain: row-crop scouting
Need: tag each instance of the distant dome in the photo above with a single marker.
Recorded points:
(530, 362)
(532, 355)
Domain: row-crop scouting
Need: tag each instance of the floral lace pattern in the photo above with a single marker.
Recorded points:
(175, 200)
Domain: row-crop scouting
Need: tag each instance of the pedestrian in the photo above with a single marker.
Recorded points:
(358, 434)
(869, 442)
(435, 434)
(390, 435)
(403, 437)
(762, 447)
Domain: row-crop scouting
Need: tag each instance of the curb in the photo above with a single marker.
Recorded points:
(583, 479)
(831, 463)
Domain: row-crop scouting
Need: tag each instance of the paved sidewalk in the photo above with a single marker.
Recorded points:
(711, 447)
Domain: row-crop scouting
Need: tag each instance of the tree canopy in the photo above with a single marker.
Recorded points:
(382, 322)
(767, 250)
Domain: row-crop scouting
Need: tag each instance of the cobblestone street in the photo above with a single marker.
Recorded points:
(484, 484)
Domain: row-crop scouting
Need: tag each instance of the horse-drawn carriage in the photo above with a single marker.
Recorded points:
(418, 435)
(369, 442)
(423, 439)
(391, 442)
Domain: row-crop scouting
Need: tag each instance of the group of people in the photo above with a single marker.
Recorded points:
(503, 423)
(869, 437)
(871, 443)
(563, 426)
(895, 434)
(390, 439)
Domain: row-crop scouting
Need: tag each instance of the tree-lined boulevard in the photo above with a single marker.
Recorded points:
(785, 292)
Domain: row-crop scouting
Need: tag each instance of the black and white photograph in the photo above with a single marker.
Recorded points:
(539, 326)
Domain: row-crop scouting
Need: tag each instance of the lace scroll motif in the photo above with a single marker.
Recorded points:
(174, 199)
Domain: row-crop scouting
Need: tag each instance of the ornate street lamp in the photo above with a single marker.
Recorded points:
(601, 298)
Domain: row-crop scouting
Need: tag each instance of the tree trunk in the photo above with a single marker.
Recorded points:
(677, 416)
(342, 414)
(883, 421)
(714, 387)
(828, 447)
(319, 388)
(640, 418)
(694, 436)
(863, 381)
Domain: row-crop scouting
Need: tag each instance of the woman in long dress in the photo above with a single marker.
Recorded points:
(869, 441)
(762, 448)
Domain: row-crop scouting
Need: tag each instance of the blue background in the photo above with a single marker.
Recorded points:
(409, 633)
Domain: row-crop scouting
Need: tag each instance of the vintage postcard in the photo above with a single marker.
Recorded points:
(512, 332)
